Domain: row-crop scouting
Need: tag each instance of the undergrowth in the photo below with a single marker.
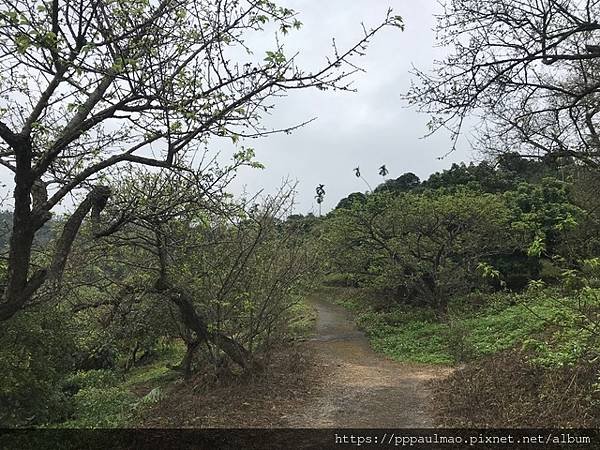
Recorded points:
(106, 398)
(546, 325)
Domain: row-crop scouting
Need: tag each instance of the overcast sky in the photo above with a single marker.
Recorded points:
(368, 128)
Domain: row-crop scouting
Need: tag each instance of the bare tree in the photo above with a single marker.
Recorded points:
(87, 85)
(528, 68)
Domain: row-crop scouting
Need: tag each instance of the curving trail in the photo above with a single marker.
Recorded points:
(363, 389)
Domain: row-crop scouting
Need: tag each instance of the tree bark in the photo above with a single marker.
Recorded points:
(193, 321)
(186, 362)
(20, 288)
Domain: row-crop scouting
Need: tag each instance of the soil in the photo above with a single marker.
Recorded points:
(333, 379)
(363, 389)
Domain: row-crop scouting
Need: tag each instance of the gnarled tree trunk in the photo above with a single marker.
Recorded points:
(197, 324)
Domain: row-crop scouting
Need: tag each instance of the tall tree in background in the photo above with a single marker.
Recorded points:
(87, 85)
(529, 68)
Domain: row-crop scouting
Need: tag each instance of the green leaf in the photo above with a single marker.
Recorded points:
(23, 43)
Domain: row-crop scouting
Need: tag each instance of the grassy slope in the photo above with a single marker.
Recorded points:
(304, 320)
(473, 331)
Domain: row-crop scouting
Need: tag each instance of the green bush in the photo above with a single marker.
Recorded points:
(303, 318)
(571, 336)
(35, 349)
(493, 331)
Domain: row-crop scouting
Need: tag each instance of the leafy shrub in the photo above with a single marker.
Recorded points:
(152, 397)
(97, 357)
(35, 349)
(493, 331)
(571, 335)
(303, 320)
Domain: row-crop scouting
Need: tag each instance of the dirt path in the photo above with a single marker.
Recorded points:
(333, 380)
(363, 389)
